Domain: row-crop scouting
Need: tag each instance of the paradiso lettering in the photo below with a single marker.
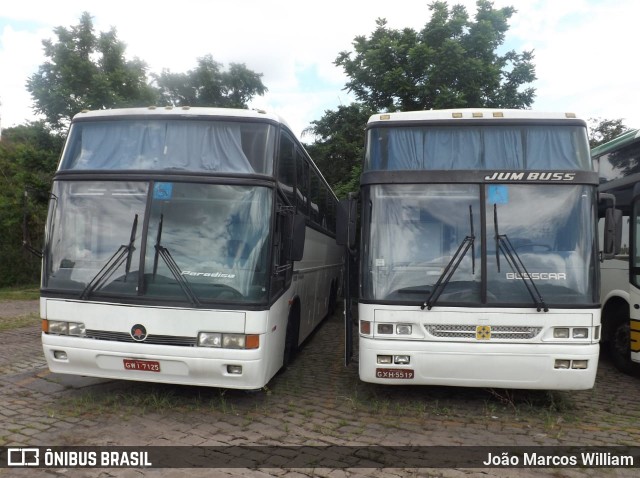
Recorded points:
(537, 276)
(530, 176)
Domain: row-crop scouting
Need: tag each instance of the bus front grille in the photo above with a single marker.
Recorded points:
(150, 339)
(498, 332)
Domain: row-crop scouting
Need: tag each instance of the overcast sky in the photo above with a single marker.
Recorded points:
(583, 48)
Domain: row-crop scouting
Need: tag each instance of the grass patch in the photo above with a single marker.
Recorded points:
(20, 293)
(10, 323)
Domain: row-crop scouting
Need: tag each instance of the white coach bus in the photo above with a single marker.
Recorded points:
(618, 163)
(185, 245)
(478, 250)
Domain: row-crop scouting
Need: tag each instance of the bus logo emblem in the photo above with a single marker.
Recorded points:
(138, 332)
(483, 332)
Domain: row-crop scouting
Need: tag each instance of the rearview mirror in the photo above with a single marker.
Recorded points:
(612, 233)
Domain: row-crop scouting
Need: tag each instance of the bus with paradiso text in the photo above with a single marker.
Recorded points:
(618, 164)
(185, 245)
(478, 251)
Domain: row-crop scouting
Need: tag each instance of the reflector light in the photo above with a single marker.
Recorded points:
(365, 327)
(476, 115)
(498, 114)
(580, 364)
(456, 115)
(234, 369)
(385, 117)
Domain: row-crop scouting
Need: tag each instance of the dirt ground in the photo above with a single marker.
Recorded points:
(17, 308)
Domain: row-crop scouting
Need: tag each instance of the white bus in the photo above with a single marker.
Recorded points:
(185, 245)
(618, 163)
(478, 250)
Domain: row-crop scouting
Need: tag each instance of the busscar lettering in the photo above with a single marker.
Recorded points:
(536, 276)
(506, 176)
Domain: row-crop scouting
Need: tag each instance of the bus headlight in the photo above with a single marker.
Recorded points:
(228, 341)
(61, 327)
(581, 333)
(561, 333)
(209, 339)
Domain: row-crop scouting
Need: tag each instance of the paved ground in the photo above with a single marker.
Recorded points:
(315, 402)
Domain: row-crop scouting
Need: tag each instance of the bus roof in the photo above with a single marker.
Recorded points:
(469, 114)
(616, 143)
(183, 111)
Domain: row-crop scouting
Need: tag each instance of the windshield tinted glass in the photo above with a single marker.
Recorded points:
(493, 147)
(413, 232)
(153, 144)
(218, 236)
(552, 229)
(89, 222)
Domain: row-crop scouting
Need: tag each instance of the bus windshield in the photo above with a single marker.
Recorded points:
(171, 144)
(216, 234)
(412, 232)
(522, 147)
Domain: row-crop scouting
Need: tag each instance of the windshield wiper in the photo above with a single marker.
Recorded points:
(515, 262)
(123, 253)
(163, 252)
(452, 266)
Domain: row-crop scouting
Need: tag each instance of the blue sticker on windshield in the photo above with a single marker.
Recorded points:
(162, 191)
(499, 194)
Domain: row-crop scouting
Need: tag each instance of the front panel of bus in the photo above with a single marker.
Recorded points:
(160, 250)
(479, 259)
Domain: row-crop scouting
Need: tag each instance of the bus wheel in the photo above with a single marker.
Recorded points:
(291, 339)
(620, 347)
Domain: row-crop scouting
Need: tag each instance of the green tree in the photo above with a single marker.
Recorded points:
(84, 70)
(209, 85)
(28, 158)
(604, 130)
(451, 63)
(339, 145)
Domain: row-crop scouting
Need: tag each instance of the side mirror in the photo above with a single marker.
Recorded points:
(612, 233)
(298, 233)
(346, 222)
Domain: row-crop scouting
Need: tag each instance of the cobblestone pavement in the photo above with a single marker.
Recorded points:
(316, 401)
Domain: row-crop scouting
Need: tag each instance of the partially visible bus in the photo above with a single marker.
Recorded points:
(185, 245)
(479, 259)
(618, 163)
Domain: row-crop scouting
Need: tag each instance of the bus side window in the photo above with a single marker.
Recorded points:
(302, 183)
(287, 168)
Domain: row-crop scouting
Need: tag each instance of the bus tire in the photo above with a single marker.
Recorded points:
(619, 347)
(291, 338)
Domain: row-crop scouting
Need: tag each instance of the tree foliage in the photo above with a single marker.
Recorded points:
(87, 70)
(28, 158)
(604, 130)
(84, 70)
(209, 85)
(339, 145)
(451, 63)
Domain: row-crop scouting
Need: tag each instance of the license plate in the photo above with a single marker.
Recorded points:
(144, 365)
(392, 373)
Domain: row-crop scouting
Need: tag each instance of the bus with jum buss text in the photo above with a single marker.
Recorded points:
(478, 251)
(618, 164)
(185, 245)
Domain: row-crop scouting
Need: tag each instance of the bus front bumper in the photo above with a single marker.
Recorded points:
(525, 366)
